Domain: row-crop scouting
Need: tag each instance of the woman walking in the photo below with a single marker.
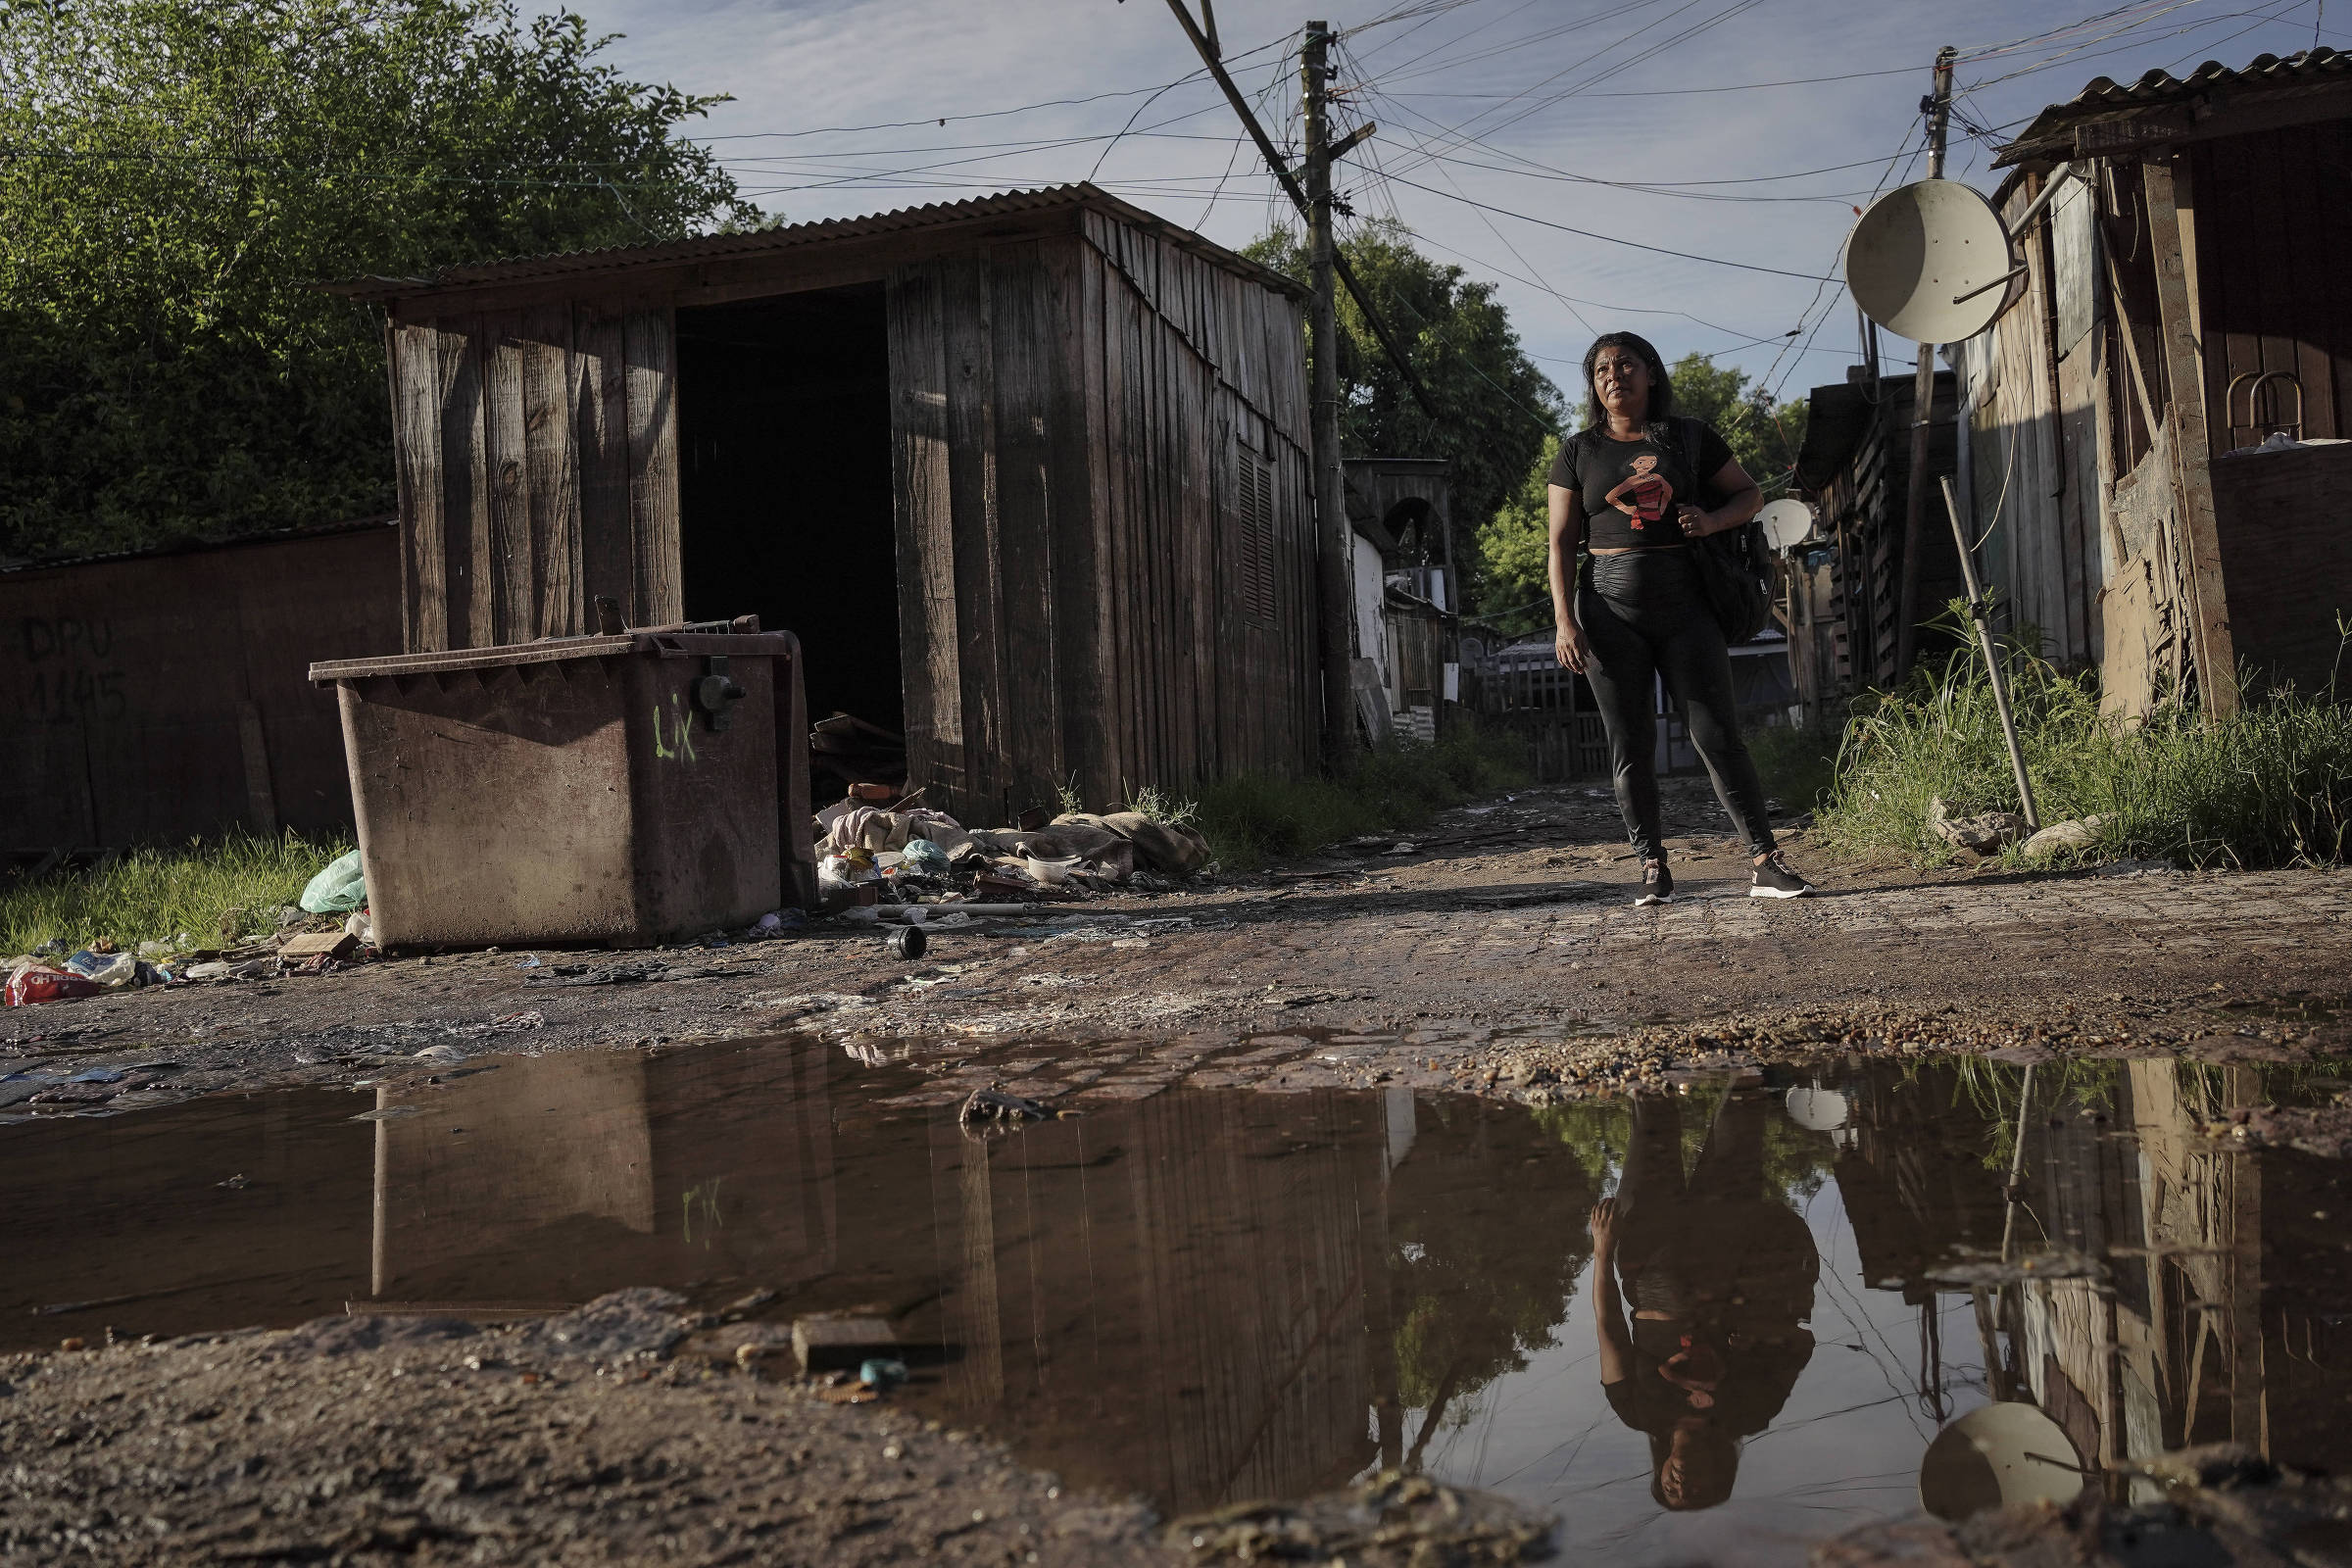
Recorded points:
(1631, 491)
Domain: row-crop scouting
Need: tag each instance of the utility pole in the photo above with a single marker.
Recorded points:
(1938, 107)
(1335, 555)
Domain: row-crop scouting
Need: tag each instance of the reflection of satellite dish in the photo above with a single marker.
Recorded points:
(1786, 521)
(1996, 1457)
(1920, 249)
(1819, 1110)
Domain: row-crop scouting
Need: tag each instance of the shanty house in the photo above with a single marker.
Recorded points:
(1844, 597)
(1028, 474)
(2155, 444)
(1399, 512)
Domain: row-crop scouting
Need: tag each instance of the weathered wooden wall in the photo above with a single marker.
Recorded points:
(537, 451)
(1862, 507)
(2038, 419)
(2273, 231)
(161, 696)
(1106, 541)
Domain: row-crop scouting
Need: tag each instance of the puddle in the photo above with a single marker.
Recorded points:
(1213, 1295)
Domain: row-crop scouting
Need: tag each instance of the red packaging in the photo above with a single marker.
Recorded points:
(29, 986)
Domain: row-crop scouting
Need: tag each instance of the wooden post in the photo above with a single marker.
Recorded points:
(1335, 574)
(1923, 405)
(2199, 538)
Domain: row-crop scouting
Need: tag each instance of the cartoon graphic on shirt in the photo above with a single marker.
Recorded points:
(1644, 495)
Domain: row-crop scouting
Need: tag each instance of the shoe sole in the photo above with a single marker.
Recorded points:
(1777, 893)
(1647, 900)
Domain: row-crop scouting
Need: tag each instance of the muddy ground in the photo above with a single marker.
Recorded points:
(1498, 953)
(1502, 944)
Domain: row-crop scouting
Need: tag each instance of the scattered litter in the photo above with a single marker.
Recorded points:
(882, 1372)
(906, 942)
(528, 962)
(320, 945)
(831, 1341)
(234, 1182)
(639, 1321)
(441, 1053)
(387, 1113)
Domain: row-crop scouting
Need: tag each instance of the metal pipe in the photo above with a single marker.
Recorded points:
(1976, 611)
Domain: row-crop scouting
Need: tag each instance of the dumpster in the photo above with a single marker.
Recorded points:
(629, 788)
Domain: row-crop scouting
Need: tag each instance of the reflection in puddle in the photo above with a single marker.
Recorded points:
(1215, 1295)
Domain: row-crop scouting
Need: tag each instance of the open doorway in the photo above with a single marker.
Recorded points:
(784, 487)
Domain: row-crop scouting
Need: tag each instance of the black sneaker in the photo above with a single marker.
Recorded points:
(1775, 880)
(1657, 884)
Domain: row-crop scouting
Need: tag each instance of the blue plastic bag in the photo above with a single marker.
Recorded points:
(339, 889)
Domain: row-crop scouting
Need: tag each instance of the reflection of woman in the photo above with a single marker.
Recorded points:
(1627, 491)
(1719, 1275)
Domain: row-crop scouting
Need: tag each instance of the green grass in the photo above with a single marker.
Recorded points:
(153, 894)
(1798, 766)
(1255, 818)
(2271, 785)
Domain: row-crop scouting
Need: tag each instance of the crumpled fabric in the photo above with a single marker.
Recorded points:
(869, 827)
(1178, 850)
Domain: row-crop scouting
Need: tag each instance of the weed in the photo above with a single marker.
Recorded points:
(2268, 785)
(1161, 806)
(1252, 818)
(1798, 764)
(152, 893)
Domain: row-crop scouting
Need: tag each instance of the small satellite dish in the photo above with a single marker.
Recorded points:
(1997, 1456)
(1786, 521)
(1928, 262)
(1819, 1110)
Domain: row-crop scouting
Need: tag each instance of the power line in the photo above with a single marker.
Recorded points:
(1614, 240)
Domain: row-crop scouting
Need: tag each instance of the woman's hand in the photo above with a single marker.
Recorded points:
(1569, 645)
(1694, 523)
(1604, 1227)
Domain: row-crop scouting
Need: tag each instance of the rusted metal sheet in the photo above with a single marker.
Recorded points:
(577, 788)
(161, 696)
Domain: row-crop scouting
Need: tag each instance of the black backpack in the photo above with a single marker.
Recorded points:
(1734, 567)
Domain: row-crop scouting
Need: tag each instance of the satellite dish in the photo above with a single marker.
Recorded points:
(1928, 262)
(1786, 521)
(1998, 1456)
(1819, 1110)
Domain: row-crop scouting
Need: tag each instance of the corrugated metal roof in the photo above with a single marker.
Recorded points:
(824, 231)
(2105, 99)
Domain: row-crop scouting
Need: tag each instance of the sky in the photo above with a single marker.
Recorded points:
(1743, 134)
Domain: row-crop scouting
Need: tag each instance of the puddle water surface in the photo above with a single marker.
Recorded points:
(1212, 1295)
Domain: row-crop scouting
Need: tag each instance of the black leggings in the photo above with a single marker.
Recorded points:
(1646, 615)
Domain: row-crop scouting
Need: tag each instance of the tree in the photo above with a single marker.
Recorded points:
(1764, 435)
(178, 176)
(1495, 408)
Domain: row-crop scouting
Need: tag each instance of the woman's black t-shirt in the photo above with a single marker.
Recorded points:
(1630, 489)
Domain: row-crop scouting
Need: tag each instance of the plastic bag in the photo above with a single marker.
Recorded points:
(339, 889)
(29, 986)
(925, 857)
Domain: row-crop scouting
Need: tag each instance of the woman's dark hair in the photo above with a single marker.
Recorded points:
(1661, 385)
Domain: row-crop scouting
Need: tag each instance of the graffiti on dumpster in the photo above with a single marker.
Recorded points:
(680, 747)
(68, 678)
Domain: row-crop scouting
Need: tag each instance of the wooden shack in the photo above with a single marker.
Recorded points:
(2185, 302)
(1844, 599)
(1027, 473)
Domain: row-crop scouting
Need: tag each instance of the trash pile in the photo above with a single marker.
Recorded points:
(845, 752)
(870, 855)
(327, 929)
